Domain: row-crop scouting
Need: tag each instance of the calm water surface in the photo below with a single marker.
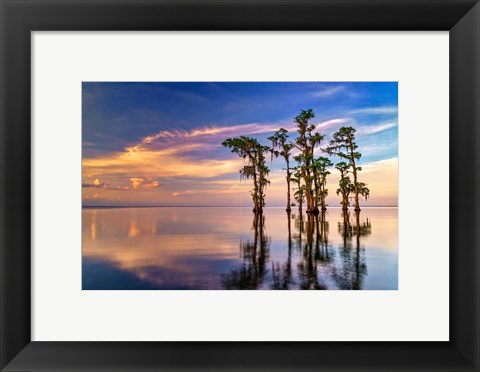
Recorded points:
(228, 248)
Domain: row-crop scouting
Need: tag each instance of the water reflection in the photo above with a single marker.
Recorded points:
(219, 248)
(282, 274)
(315, 230)
(353, 268)
(255, 254)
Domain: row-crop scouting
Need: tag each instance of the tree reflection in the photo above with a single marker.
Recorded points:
(323, 253)
(255, 255)
(352, 269)
(314, 251)
(282, 274)
(309, 259)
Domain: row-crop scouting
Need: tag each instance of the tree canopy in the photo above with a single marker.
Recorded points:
(311, 172)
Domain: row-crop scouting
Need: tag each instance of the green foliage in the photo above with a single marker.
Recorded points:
(344, 146)
(251, 150)
(321, 165)
(310, 174)
(308, 139)
(280, 141)
(345, 184)
(281, 147)
(363, 190)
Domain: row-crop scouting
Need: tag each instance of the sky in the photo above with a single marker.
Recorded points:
(159, 144)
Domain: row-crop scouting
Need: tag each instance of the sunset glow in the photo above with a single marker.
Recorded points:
(159, 144)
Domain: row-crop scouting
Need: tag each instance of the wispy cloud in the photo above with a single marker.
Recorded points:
(211, 131)
(379, 150)
(382, 110)
(372, 129)
(329, 91)
(167, 162)
(328, 124)
(179, 153)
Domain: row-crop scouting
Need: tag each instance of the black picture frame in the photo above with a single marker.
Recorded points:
(19, 18)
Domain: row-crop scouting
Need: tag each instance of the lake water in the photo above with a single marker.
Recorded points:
(230, 248)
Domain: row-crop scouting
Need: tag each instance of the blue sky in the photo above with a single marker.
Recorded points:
(119, 117)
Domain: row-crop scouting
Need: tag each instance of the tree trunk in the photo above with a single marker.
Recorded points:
(317, 190)
(299, 185)
(300, 203)
(357, 205)
(308, 182)
(256, 202)
(324, 183)
(308, 192)
(309, 197)
(288, 187)
(345, 202)
(255, 193)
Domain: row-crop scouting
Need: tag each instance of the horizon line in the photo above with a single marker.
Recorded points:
(212, 206)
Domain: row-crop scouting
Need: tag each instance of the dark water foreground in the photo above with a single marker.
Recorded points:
(230, 248)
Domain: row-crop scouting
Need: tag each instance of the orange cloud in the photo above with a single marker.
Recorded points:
(151, 163)
(152, 185)
(136, 182)
(187, 164)
(95, 183)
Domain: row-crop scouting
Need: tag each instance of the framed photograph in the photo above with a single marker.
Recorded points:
(238, 185)
(262, 219)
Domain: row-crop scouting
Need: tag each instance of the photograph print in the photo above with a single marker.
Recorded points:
(240, 186)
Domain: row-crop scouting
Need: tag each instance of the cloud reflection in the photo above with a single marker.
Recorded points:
(221, 248)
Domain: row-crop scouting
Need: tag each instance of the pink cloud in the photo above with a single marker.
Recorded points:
(325, 125)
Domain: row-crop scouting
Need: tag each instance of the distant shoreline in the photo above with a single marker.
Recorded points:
(202, 206)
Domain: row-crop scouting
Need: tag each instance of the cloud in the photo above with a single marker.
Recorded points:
(372, 129)
(95, 183)
(140, 183)
(191, 165)
(211, 131)
(210, 137)
(151, 185)
(382, 148)
(383, 110)
(136, 182)
(172, 161)
(173, 153)
(188, 192)
(325, 125)
(327, 92)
